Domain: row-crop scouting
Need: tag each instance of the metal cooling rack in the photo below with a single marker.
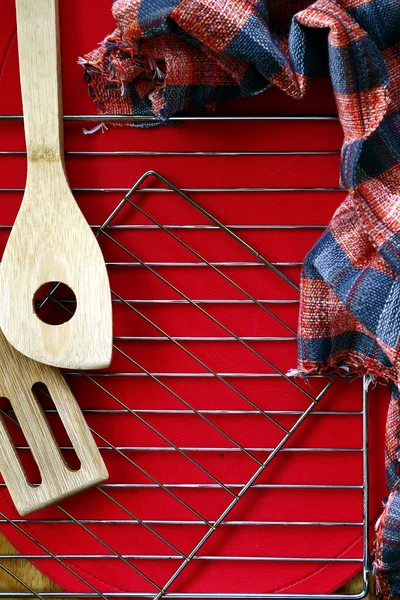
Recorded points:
(234, 492)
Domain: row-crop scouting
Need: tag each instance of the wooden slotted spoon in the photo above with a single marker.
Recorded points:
(51, 240)
(18, 376)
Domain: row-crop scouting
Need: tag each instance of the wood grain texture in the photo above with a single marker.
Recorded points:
(24, 570)
(355, 586)
(51, 240)
(18, 374)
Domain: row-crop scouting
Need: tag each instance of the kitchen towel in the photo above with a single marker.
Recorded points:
(288, 245)
(167, 57)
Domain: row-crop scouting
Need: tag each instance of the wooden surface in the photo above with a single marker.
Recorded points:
(24, 571)
(18, 374)
(51, 240)
(355, 586)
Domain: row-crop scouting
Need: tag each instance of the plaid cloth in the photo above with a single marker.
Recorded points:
(168, 56)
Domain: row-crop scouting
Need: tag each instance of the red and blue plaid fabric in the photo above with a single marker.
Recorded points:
(170, 56)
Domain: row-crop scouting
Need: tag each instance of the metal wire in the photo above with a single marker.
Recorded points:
(220, 190)
(234, 492)
(215, 117)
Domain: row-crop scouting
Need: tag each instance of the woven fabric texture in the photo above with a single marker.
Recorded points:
(170, 56)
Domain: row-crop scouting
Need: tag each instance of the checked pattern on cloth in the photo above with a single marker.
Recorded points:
(169, 56)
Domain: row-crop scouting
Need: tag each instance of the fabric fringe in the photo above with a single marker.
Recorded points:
(383, 588)
(100, 127)
(339, 371)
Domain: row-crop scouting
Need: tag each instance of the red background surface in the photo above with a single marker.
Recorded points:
(83, 24)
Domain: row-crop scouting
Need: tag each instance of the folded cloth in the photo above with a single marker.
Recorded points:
(168, 56)
(387, 543)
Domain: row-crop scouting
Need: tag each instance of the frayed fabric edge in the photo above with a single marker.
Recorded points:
(351, 370)
(100, 127)
(343, 370)
(349, 365)
(379, 569)
(93, 68)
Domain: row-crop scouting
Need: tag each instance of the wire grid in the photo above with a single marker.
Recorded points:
(234, 493)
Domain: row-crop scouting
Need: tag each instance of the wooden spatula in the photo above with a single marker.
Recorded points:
(51, 240)
(18, 375)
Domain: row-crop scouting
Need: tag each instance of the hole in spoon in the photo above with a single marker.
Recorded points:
(54, 303)
(46, 402)
(18, 439)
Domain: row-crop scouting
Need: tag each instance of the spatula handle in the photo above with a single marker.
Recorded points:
(39, 59)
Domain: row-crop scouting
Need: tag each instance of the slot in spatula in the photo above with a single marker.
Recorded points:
(18, 376)
(51, 240)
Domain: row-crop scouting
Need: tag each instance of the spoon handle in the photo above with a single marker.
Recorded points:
(39, 60)
(51, 241)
